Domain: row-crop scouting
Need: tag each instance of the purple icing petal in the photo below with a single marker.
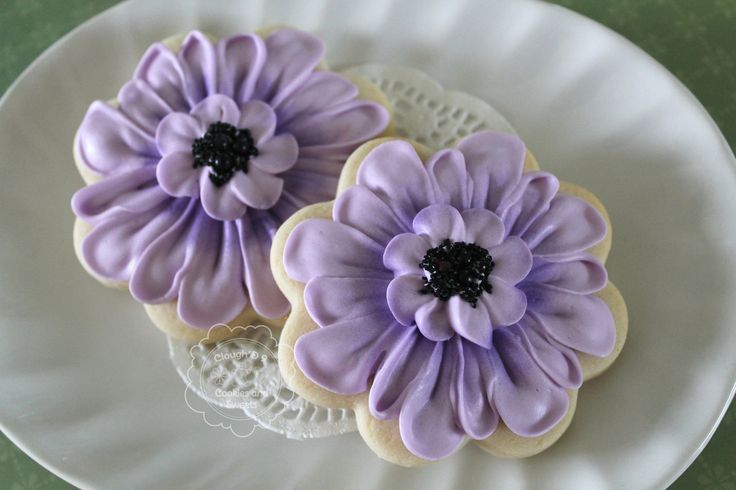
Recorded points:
(222, 202)
(506, 304)
(581, 274)
(473, 387)
(405, 252)
(528, 402)
(256, 235)
(156, 276)
(559, 362)
(361, 209)
(512, 260)
(473, 323)
(198, 59)
(394, 172)
(321, 90)
(240, 61)
(495, 162)
(257, 189)
(161, 70)
(427, 423)
(529, 201)
(318, 247)
(403, 366)
(109, 142)
(439, 222)
(404, 297)
(177, 176)
(177, 132)
(308, 187)
(113, 247)
(570, 226)
(291, 57)
(324, 354)
(450, 179)
(131, 192)
(143, 105)
(583, 323)
(258, 118)
(331, 300)
(433, 320)
(216, 108)
(213, 268)
(483, 227)
(277, 154)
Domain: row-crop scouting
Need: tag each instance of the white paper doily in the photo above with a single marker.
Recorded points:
(243, 390)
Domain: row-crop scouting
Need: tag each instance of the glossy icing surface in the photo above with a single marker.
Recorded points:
(445, 368)
(160, 222)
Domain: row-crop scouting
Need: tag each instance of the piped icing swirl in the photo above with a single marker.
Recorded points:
(453, 363)
(207, 152)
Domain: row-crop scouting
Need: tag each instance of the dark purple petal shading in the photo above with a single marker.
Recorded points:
(581, 274)
(528, 202)
(330, 300)
(361, 209)
(450, 179)
(321, 90)
(528, 402)
(199, 62)
(161, 70)
(240, 61)
(427, 423)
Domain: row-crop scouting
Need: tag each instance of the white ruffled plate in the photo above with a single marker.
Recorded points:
(85, 381)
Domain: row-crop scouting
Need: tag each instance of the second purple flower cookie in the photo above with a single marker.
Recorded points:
(200, 158)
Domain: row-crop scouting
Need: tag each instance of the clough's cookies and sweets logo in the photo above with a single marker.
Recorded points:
(233, 383)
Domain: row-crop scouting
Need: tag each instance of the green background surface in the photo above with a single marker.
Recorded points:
(694, 39)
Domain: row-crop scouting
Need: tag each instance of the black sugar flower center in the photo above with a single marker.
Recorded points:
(225, 149)
(457, 268)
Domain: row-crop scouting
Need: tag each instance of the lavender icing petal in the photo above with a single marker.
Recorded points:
(132, 192)
(483, 227)
(212, 289)
(142, 105)
(581, 274)
(404, 298)
(308, 187)
(177, 176)
(394, 173)
(259, 119)
(361, 209)
(240, 61)
(331, 300)
(277, 154)
(361, 343)
(472, 381)
(433, 320)
(474, 324)
(177, 132)
(583, 323)
(450, 179)
(156, 276)
(512, 260)
(427, 423)
(291, 57)
(198, 59)
(318, 247)
(559, 362)
(506, 304)
(439, 222)
(109, 142)
(529, 201)
(257, 189)
(216, 108)
(571, 225)
(495, 162)
(405, 252)
(222, 202)
(113, 246)
(321, 90)
(161, 70)
(256, 235)
(528, 402)
(402, 367)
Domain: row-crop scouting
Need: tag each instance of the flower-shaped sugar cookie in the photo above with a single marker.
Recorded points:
(449, 297)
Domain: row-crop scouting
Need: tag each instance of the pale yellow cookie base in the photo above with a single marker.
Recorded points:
(383, 437)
